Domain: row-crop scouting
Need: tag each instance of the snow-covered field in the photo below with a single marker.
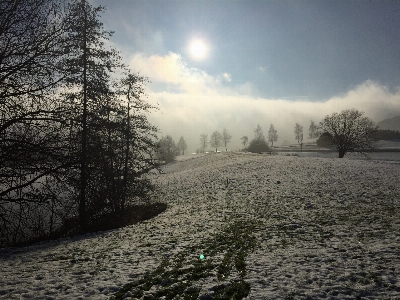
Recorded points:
(287, 227)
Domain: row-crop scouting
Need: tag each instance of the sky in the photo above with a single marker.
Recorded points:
(258, 62)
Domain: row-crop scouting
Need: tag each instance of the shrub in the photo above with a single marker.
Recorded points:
(167, 149)
(325, 140)
(258, 145)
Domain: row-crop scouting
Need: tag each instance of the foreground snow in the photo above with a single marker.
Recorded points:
(326, 228)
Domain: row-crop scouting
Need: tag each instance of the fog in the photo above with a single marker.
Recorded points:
(192, 102)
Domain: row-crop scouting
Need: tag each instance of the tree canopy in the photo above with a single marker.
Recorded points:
(350, 130)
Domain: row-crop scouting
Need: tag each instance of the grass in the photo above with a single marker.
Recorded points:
(130, 216)
(178, 277)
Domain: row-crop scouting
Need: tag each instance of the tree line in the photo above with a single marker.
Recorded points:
(347, 131)
(74, 135)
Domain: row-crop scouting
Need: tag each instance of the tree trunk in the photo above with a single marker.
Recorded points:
(341, 153)
(128, 134)
(82, 200)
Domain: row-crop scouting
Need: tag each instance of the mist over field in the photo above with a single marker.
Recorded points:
(292, 193)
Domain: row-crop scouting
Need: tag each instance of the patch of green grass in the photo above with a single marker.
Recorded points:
(177, 276)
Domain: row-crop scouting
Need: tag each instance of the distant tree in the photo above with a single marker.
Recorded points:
(244, 139)
(258, 132)
(226, 138)
(258, 144)
(272, 135)
(216, 140)
(350, 130)
(182, 145)
(298, 132)
(203, 142)
(167, 149)
(313, 132)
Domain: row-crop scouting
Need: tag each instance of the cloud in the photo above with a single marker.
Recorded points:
(193, 102)
(261, 69)
(227, 77)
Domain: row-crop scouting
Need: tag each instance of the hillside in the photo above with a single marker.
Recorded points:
(254, 226)
(391, 124)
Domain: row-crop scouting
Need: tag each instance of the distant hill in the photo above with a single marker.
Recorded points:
(391, 124)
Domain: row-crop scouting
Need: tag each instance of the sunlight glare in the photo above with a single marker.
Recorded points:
(198, 49)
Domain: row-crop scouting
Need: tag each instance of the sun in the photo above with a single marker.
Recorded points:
(198, 49)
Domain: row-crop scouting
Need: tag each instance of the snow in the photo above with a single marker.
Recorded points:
(328, 228)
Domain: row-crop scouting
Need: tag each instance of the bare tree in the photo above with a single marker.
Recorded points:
(298, 132)
(313, 132)
(91, 65)
(31, 39)
(182, 145)
(138, 133)
(57, 148)
(203, 142)
(259, 134)
(226, 138)
(244, 139)
(216, 140)
(272, 135)
(32, 126)
(349, 130)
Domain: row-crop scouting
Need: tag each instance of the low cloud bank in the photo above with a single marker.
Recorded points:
(193, 102)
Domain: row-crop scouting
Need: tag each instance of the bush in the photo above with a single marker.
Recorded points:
(325, 140)
(258, 145)
(167, 149)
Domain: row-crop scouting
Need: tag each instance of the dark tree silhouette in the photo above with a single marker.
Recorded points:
(32, 39)
(90, 65)
(73, 141)
(167, 149)
(350, 130)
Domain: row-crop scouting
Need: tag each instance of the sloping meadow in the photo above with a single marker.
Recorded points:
(237, 226)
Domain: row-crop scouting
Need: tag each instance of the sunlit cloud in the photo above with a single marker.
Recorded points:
(194, 102)
(227, 77)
